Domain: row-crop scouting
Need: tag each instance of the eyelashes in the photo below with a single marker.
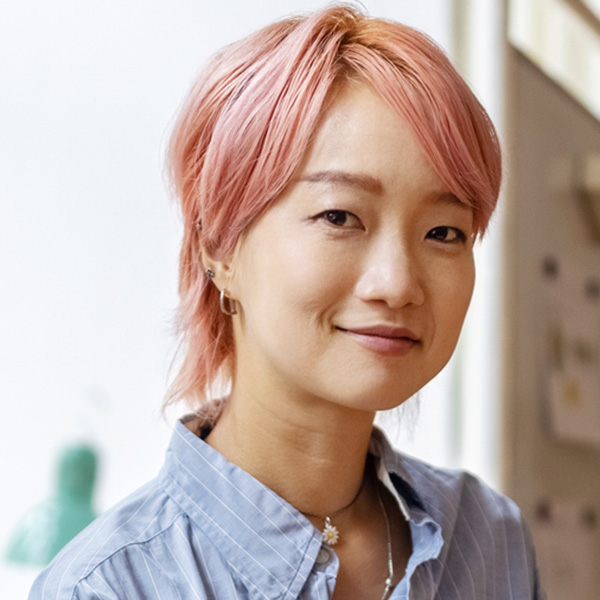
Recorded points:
(344, 219)
(336, 217)
(447, 235)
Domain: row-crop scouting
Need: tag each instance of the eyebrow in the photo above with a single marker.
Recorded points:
(453, 199)
(355, 180)
(371, 184)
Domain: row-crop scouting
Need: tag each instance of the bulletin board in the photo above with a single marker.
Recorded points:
(552, 333)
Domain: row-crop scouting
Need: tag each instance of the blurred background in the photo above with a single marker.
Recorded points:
(88, 262)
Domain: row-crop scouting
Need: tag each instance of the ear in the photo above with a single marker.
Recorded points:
(221, 267)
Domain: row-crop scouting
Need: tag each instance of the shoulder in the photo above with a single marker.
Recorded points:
(452, 498)
(486, 540)
(119, 541)
(451, 493)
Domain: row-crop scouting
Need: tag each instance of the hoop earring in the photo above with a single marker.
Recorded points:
(227, 304)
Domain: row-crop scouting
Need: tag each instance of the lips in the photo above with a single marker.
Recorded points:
(387, 331)
(383, 339)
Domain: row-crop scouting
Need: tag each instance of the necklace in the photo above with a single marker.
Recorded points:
(330, 533)
(390, 578)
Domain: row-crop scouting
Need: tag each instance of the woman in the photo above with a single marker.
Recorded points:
(333, 173)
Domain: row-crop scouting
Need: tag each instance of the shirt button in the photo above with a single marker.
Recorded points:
(324, 556)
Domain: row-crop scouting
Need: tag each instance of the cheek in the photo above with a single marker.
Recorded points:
(286, 282)
(310, 286)
(450, 286)
(454, 302)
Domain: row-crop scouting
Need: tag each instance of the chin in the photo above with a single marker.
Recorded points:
(374, 399)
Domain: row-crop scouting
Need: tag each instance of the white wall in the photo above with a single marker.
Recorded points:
(88, 238)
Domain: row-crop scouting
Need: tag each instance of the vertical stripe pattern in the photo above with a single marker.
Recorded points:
(206, 530)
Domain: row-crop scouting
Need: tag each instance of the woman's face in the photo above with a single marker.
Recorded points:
(353, 287)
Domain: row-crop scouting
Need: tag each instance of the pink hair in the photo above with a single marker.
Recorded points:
(248, 120)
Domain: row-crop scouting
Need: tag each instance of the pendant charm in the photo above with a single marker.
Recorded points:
(331, 535)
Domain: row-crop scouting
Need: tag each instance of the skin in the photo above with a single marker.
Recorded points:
(365, 235)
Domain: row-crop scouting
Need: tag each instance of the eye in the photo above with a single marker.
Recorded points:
(340, 218)
(447, 235)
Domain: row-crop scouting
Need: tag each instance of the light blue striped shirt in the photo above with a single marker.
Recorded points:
(206, 529)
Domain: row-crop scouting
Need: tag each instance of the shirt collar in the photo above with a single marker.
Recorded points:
(263, 538)
(426, 532)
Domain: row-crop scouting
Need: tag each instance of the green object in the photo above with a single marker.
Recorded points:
(46, 528)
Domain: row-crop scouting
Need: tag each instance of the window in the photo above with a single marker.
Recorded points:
(563, 39)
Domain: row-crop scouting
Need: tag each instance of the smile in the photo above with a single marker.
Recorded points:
(383, 339)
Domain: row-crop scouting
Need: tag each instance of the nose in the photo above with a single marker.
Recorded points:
(392, 274)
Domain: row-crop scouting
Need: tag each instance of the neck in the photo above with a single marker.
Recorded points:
(310, 452)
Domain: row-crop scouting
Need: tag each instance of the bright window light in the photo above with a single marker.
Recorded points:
(556, 38)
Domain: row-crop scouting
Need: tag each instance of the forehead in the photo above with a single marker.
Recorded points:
(361, 142)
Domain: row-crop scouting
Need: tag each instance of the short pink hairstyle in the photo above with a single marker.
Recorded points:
(246, 125)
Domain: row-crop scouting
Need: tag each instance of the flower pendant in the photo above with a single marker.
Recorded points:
(331, 535)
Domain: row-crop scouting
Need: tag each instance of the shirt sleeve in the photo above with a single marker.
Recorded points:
(49, 587)
(134, 573)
